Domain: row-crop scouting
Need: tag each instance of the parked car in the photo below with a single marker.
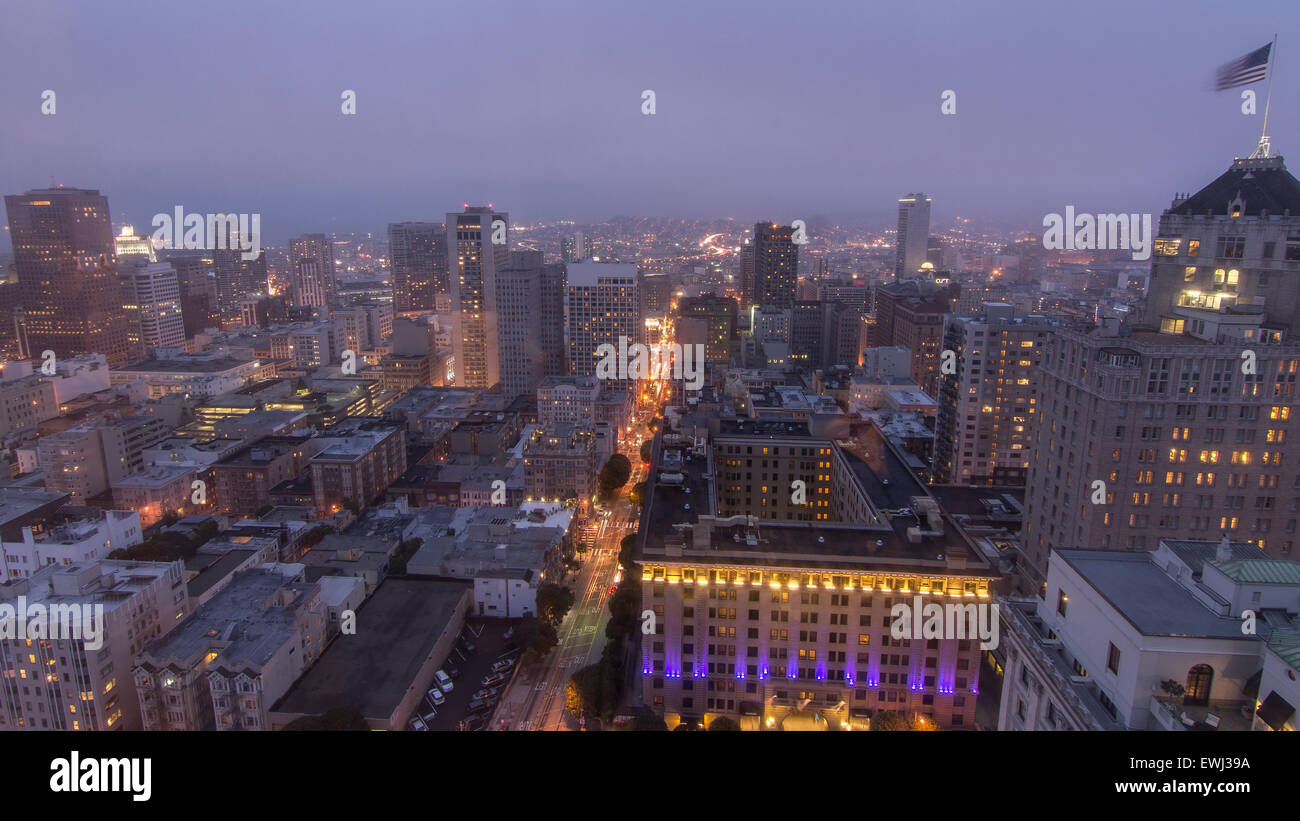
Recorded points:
(443, 681)
(435, 695)
(476, 706)
(452, 670)
(473, 723)
(487, 693)
(417, 725)
(466, 645)
(503, 665)
(493, 679)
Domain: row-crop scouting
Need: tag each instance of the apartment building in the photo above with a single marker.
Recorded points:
(361, 458)
(225, 666)
(561, 462)
(989, 400)
(243, 480)
(68, 683)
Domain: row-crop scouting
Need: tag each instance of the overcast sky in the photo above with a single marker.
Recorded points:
(763, 109)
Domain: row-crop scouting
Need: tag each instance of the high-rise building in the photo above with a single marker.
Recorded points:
(1182, 432)
(308, 284)
(151, 300)
(320, 249)
(525, 360)
(198, 289)
(989, 402)
(913, 234)
(473, 260)
(71, 293)
(129, 244)
(718, 314)
(910, 314)
(600, 309)
(576, 247)
(418, 255)
(776, 265)
(238, 279)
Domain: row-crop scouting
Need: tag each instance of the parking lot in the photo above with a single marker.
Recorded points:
(488, 637)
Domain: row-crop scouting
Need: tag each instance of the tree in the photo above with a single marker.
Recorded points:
(646, 447)
(724, 724)
(626, 550)
(554, 601)
(613, 475)
(535, 636)
(644, 720)
(637, 495)
(403, 554)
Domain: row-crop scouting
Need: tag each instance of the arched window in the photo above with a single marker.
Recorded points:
(1199, 679)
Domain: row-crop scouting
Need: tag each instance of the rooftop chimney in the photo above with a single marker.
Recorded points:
(1224, 553)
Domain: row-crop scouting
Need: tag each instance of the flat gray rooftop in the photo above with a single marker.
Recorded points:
(1151, 601)
(371, 671)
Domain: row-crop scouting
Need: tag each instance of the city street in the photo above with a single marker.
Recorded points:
(535, 700)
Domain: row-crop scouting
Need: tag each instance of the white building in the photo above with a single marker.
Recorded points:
(86, 535)
(600, 309)
(1147, 640)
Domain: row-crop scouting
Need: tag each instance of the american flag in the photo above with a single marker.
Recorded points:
(1244, 70)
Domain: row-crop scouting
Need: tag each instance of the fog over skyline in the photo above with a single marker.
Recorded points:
(764, 110)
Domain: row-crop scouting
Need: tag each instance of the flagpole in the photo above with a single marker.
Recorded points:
(1262, 150)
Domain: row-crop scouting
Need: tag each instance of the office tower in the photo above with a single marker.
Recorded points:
(71, 293)
(320, 249)
(238, 280)
(198, 290)
(519, 294)
(152, 303)
(913, 234)
(745, 273)
(418, 255)
(600, 310)
(776, 613)
(128, 243)
(473, 260)
(776, 265)
(84, 687)
(718, 315)
(308, 284)
(988, 404)
(576, 247)
(655, 292)
(813, 326)
(554, 280)
(1184, 419)
(910, 314)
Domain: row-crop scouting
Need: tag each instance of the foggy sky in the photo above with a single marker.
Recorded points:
(764, 109)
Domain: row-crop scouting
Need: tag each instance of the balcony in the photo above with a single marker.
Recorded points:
(1176, 717)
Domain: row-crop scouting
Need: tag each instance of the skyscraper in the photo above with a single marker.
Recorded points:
(198, 289)
(776, 265)
(320, 249)
(71, 293)
(152, 303)
(913, 234)
(1180, 427)
(989, 401)
(576, 247)
(308, 283)
(418, 255)
(238, 279)
(473, 260)
(601, 308)
(519, 295)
